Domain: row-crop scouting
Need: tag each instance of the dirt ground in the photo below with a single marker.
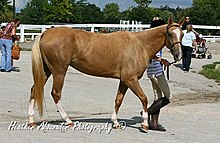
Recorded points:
(193, 116)
(210, 94)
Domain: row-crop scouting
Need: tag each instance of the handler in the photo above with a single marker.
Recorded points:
(159, 84)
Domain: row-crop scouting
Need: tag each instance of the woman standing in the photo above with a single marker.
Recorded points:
(187, 44)
(8, 34)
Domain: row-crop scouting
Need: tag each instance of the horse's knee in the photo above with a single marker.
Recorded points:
(118, 101)
(56, 96)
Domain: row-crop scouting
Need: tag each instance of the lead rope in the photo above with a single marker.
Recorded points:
(168, 69)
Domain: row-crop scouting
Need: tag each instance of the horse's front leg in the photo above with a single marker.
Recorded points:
(119, 98)
(134, 85)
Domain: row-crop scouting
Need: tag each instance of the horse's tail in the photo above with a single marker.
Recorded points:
(38, 75)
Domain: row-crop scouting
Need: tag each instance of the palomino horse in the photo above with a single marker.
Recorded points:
(122, 55)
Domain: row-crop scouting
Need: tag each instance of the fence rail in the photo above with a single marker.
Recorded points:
(134, 27)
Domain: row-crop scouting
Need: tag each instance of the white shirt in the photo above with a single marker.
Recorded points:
(188, 38)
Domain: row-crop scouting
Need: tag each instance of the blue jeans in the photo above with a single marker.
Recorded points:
(6, 47)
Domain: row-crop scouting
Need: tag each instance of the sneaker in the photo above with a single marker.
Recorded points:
(160, 128)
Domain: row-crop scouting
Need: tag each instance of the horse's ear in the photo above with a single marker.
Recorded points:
(170, 21)
(181, 21)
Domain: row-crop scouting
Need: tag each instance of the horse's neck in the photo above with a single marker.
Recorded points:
(153, 40)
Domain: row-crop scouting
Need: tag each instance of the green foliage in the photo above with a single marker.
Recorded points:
(92, 14)
(166, 14)
(6, 11)
(141, 14)
(34, 12)
(59, 11)
(111, 13)
(202, 12)
(210, 72)
(205, 12)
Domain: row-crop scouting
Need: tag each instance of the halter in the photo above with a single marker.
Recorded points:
(171, 48)
(168, 36)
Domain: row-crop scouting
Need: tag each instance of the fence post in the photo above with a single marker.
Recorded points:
(132, 23)
(43, 28)
(92, 28)
(22, 33)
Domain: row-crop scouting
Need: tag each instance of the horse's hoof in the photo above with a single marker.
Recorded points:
(70, 124)
(144, 128)
(32, 125)
(118, 127)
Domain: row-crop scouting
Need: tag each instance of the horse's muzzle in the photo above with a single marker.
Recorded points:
(178, 56)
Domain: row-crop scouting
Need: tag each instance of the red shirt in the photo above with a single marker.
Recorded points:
(7, 32)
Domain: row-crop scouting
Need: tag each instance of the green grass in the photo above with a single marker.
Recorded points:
(26, 49)
(210, 72)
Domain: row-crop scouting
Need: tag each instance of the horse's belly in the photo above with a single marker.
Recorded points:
(102, 70)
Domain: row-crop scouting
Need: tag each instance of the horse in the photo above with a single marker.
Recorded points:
(122, 55)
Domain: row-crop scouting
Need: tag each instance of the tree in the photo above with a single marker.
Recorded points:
(165, 15)
(143, 14)
(59, 11)
(6, 10)
(111, 13)
(92, 14)
(205, 12)
(34, 12)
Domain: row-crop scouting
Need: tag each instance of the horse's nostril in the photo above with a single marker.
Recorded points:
(177, 57)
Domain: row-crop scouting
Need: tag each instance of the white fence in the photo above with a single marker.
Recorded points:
(124, 25)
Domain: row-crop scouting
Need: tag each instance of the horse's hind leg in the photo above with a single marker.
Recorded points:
(58, 80)
(31, 109)
(119, 98)
(137, 90)
(32, 100)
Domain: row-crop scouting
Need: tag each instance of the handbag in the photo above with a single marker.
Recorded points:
(15, 53)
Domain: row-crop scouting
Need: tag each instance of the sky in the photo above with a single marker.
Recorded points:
(124, 4)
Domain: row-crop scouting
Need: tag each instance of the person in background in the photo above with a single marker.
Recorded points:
(1, 31)
(187, 47)
(6, 42)
(187, 21)
(159, 83)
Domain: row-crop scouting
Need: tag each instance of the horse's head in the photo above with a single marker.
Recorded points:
(174, 36)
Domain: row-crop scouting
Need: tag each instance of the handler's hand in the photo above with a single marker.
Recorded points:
(165, 62)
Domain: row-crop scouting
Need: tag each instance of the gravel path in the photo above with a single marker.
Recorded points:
(192, 117)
